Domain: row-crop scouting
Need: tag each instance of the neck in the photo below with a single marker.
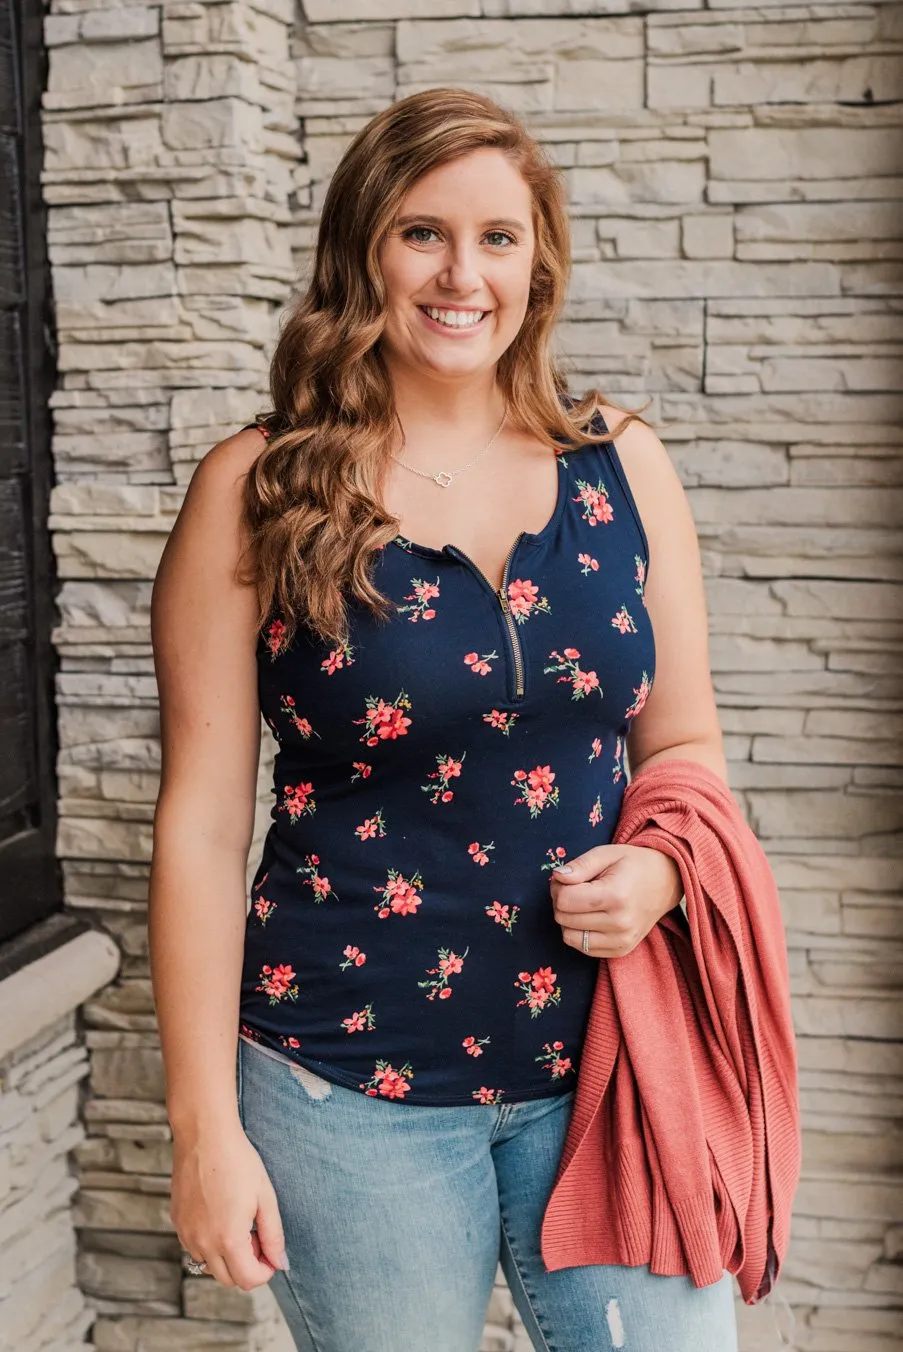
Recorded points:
(445, 414)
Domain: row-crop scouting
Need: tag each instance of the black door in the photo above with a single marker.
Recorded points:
(30, 888)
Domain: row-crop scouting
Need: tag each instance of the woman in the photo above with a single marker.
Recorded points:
(427, 566)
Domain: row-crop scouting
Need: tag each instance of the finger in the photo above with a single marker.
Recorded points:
(607, 945)
(595, 899)
(597, 925)
(247, 1266)
(586, 865)
(270, 1232)
(592, 895)
(574, 938)
(218, 1269)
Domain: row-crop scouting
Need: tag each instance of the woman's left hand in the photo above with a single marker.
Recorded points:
(617, 892)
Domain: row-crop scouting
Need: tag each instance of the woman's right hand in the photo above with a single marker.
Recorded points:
(220, 1189)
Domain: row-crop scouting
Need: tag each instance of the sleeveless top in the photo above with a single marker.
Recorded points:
(401, 940)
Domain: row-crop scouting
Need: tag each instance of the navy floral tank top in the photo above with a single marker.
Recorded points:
(400, 939)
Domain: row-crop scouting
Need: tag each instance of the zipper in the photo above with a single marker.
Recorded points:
(502, 594)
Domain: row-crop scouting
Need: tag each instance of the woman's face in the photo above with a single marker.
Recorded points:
(456, 265)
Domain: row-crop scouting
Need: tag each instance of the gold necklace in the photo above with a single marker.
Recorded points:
(445, 476)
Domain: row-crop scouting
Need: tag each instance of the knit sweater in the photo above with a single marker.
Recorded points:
(684, 1146)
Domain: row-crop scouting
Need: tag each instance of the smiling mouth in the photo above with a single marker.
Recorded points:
(454, 319)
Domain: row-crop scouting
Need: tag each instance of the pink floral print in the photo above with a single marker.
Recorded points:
(554, 857)
(299, 800)
(318, 881)
(582, 682)
(503, 915)
(552, 1060)
(353, 957)
(262, 908)
(536, 788)
(276, 982)
(623, 621)
(360, 1020)
(503, 720)
(387, 1082)
(275, 639)
(338, 658)
(447, 769)
(371, 827)
(385, 722)
(480, 665)
(640, 577)
(596, 507)
(618, 767)
(421, 596)
(301, 725)
(324, 782)
(450, 964)
(539, 990)
(399, 894)
(480, 853)
(524, 600)
(642, 693)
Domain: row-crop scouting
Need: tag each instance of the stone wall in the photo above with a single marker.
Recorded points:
(735, 176)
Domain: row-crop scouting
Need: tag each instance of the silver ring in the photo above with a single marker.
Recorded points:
(585, 941)
(195, 1268)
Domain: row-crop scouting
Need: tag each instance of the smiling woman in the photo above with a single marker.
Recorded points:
(451, 678)
(442, 207)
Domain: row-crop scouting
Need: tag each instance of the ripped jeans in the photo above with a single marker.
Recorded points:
(396, 1218)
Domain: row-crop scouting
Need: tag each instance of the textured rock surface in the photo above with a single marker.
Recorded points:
(734, 177)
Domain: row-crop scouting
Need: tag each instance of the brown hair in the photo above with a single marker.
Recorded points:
(311, 511)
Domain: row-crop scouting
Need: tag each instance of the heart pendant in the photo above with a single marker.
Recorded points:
(443, 478)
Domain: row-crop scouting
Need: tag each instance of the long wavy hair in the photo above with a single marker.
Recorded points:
(312, 515)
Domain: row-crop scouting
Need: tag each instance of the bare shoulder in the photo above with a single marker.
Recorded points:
(212, 506)
(650, 471)
(206, 544)
(225, 467)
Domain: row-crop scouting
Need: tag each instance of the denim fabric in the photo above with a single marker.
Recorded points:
(397, 1216)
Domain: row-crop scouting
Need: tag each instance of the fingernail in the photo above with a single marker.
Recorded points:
(283, 1261)
(563, 868)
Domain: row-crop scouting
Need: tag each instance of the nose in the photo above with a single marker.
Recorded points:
(461, 273)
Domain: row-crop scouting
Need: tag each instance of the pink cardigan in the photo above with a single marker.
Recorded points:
(684, 1145)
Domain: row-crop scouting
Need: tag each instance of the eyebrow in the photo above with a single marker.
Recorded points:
(423, 218)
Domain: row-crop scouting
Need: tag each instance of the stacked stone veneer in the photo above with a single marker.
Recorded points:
(735, 176)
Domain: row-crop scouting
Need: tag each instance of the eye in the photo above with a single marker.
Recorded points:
(504, 234)
(414, 229)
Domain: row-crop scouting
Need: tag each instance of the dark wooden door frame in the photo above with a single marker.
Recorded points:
(32, 920)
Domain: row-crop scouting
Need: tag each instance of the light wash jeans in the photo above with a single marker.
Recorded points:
(396, 1218)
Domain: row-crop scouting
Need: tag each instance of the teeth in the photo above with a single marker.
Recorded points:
(455, 319)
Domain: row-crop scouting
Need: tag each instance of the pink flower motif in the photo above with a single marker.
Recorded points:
(480, 665)
(623, 621)
(478, 852)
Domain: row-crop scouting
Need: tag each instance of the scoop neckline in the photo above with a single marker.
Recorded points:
(524, 537)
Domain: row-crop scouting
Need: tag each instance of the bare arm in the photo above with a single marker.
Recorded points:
(680, 716)
(203, 629)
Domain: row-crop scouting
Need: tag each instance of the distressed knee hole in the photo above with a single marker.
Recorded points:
(314, 1085)
(615, 1324)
